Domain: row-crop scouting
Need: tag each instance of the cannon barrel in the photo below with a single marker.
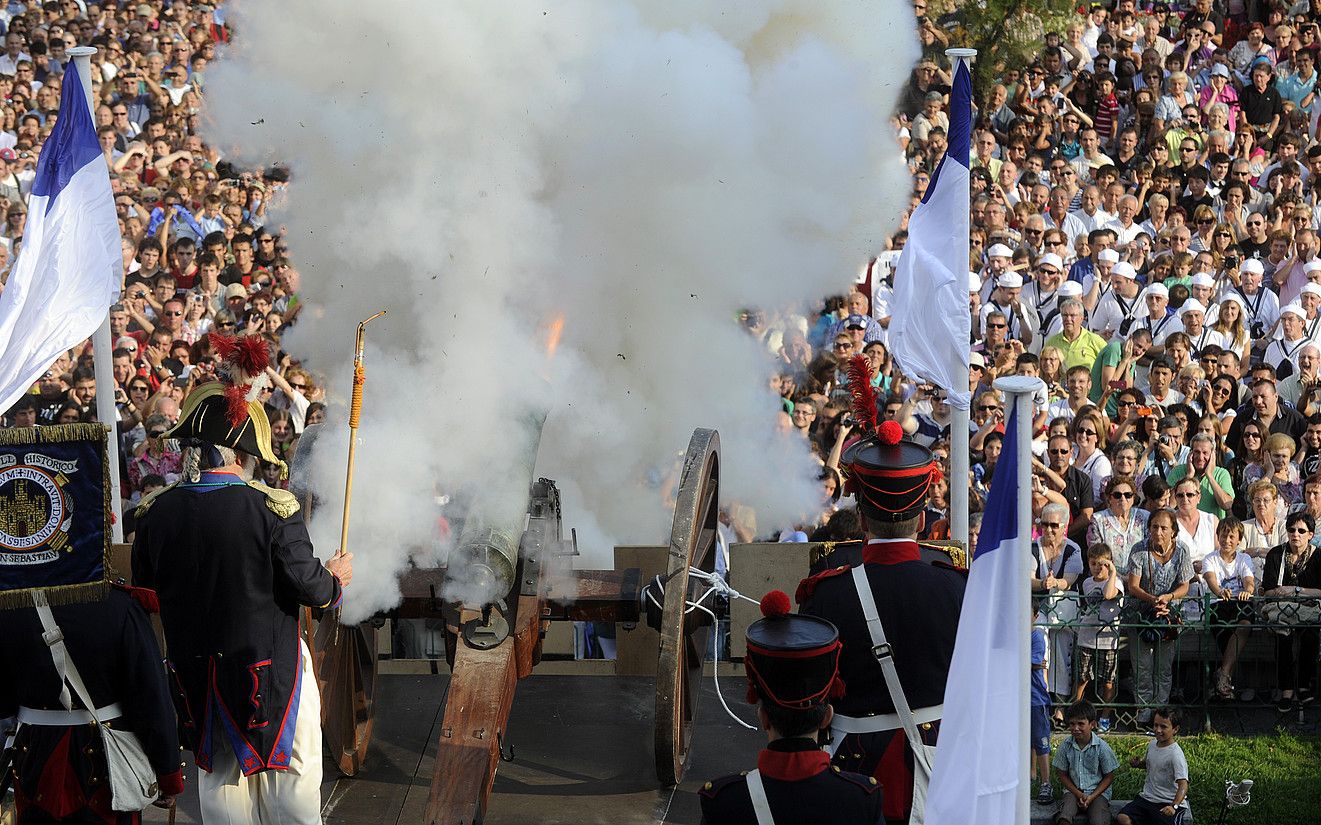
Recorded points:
(483, 567)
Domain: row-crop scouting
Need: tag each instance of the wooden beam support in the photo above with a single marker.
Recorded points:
(477, 705)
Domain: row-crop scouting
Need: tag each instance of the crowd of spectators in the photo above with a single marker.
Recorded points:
(198, 255)
(1144, 238)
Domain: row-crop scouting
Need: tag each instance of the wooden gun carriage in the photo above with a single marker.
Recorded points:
(491, 647)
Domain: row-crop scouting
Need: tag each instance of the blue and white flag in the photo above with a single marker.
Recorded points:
(930, 324)
(68, 269)
(982, 756)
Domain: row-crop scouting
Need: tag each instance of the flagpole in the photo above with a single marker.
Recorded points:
(1020, 390)
(102, 346)
(959, 461)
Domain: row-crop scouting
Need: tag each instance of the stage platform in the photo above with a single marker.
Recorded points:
(582, 750)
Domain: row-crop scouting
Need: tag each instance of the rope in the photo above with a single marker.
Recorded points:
(715, 585)
(355, 406)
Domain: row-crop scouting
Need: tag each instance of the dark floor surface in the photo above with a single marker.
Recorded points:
(582, 754)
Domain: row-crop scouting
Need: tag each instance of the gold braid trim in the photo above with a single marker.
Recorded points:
(280, 502)
(822, 549)
(52, 433)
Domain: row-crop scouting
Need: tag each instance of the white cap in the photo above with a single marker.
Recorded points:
(1124, 269)
(1252, 265)
(999, 250)
(1051, 259)
(1110, 255)
(1191, 305)
(1203, 279)
(974, 282)
(976, 359)
(1310, 288)
(1158, 289)
(1070, 289)
(1009, 280)
(1294, 309)
(1311, 266)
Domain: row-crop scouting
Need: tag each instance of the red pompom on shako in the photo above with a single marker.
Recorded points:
(792, 660)
(775, 604)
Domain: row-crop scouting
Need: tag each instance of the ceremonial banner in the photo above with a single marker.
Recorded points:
(54, 514)
(930, 325)
(982, 748)
(68, 270)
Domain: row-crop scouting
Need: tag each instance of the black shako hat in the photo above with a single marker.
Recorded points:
(792, 660)
(889, 476)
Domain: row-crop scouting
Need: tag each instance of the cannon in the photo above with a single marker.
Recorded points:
(523, 564)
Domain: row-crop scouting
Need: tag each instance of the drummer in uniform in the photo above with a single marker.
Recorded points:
(232, 562)
(793, 671)
(898, 616)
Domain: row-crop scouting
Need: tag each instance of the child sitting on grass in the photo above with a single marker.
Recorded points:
(1164, 797)
(1085, 765)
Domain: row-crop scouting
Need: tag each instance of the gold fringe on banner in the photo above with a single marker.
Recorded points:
(57, 433)
(58, 594)
(54, 433)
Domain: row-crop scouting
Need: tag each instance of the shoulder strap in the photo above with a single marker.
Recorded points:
(760, 806)
(64, 666)
(885, 657)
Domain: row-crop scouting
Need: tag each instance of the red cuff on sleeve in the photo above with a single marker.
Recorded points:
(171, 784)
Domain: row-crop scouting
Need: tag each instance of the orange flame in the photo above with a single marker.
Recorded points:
(553, 336)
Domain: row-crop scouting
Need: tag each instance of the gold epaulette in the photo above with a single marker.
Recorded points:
(821, 550)
(280, 502)
(144, 504)
(958, 556)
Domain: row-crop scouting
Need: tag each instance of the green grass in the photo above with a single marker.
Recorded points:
(1286, 770)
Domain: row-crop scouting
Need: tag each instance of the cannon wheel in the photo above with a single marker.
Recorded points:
(684, 637)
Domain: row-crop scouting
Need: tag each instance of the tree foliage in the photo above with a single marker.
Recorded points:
(1006, 33)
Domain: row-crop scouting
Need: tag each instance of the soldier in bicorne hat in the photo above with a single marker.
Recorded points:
(897, 614)
(232, 563)
(793, 671)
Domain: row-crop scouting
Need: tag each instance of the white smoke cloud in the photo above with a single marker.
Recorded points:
(643, 169)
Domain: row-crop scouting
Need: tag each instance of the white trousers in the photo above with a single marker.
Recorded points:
(288, 797)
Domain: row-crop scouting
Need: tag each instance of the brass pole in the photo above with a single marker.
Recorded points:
(355, 413)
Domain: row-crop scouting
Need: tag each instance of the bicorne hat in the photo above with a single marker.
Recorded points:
(229, 412)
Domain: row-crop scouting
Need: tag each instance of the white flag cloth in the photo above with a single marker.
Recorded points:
(68, 269)
(982, 755)
(930, 323)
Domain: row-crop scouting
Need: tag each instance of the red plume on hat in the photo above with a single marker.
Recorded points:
(863, 393)
(243, 363)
